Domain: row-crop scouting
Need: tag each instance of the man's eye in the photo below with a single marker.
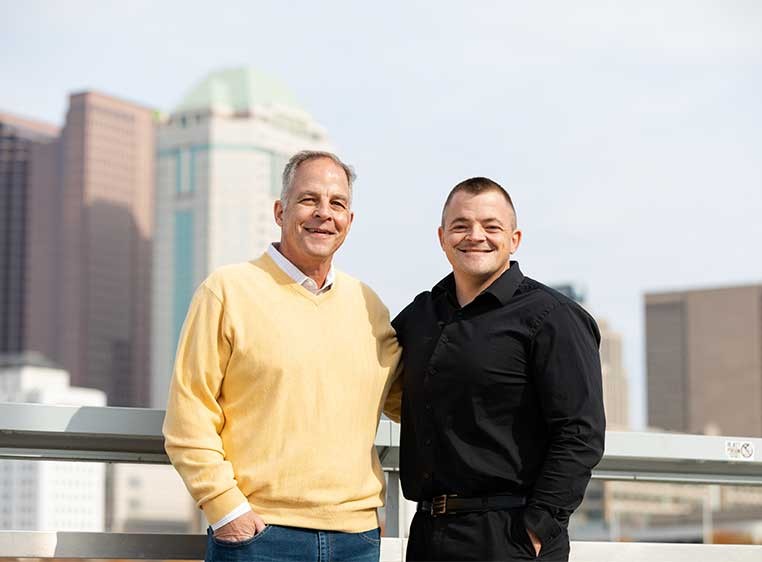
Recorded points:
(339, 204)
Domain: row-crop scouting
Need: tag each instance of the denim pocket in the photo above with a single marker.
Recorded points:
(373, 536)
(239, 544)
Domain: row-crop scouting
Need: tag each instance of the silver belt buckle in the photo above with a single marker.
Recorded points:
(439, 505)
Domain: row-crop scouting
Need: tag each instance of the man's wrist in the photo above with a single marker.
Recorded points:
(231, 515)
(541, 523)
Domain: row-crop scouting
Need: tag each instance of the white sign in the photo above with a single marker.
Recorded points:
(739, 450)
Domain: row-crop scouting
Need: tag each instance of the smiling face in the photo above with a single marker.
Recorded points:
(316, 217)
(478, 235)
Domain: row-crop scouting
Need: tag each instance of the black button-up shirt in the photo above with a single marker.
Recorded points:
(502, 395)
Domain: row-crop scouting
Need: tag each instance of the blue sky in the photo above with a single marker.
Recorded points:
(629, 134)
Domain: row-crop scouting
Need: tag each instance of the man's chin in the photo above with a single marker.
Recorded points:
(476, 272)
(321, 252)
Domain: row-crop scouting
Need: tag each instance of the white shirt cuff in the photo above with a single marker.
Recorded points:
(236, 513)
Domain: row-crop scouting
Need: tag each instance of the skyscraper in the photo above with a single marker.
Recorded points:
(90, 261)
(18, 136)
(615, 386)
(220, 157)
(704, 360)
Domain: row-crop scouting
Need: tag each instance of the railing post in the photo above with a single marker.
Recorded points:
(392, 528)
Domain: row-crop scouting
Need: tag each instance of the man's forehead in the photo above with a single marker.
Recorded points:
(481, 207)
(333, 191)
(319, 167)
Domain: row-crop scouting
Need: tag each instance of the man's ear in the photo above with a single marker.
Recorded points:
(278, 212)
(515, 240)
(440, 235)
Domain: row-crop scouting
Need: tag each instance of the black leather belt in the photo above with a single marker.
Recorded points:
(453, 504)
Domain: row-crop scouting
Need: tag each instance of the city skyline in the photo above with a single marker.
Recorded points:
(626, 134)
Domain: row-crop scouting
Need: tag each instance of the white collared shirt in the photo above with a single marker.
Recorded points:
(308, 283)
(297, 275)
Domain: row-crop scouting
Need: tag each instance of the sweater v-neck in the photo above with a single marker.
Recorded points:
(282, 278)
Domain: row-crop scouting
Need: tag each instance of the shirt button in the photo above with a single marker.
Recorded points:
(432, 370)
(444, 339)
(427, 442)
(426, 476)
(428, 407)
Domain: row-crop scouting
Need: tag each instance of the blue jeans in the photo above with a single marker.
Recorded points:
(276, 543)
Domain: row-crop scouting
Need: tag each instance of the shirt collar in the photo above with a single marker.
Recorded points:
(502, 288)
(297, 275)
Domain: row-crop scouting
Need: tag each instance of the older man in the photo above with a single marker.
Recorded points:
(502, 415)
(282, 369)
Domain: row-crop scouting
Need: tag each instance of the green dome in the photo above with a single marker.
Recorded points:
(237, 89)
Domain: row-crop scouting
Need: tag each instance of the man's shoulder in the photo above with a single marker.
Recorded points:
(228, 277)
(352, 285)
(414, 308)
(544, 292)
(550, 299)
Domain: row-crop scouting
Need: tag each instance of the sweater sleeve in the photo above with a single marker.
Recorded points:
(194, 418)
(393, 404)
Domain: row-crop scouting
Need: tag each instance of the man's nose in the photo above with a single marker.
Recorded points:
(476, 232)
(323, 209)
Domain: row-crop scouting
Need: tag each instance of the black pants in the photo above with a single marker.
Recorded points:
(490, 535)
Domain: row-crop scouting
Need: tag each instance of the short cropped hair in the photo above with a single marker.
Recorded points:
(305, 156)
(475, 186)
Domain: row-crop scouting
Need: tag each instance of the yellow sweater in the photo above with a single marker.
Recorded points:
(276, 395)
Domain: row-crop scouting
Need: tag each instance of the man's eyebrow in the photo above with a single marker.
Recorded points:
(307, 192)
(459, 220)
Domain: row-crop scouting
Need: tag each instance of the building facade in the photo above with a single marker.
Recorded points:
(89, 259)
(48, 495)
(18, 137)
(704, 360)
(220, 156)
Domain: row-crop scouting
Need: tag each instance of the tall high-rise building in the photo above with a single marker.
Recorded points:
(90, 252)
(220, 157)
(704, 360)
(615, 386)
(48, 495)
(18, 136)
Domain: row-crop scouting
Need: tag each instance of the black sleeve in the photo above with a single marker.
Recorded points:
(399, 322)
(567, 371)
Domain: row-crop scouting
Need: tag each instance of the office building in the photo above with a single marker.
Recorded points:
(17, 139)
(704, 360)
(48, 495)
(220, 156)
(90, 250)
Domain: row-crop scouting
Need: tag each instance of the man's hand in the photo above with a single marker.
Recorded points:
(241, 528)
(535, 542)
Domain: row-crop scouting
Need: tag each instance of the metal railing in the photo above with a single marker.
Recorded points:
(133, 435)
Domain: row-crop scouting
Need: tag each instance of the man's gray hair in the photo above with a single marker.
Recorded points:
(305, 156)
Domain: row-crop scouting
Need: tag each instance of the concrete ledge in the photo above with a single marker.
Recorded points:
(143, 546)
